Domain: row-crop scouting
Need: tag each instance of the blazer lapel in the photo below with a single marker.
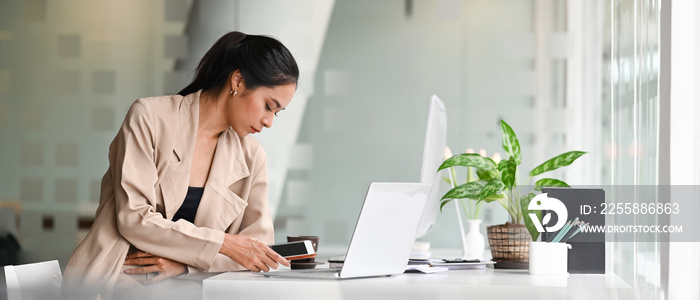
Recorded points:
(187, 123)
(219, 205)
(174, 184)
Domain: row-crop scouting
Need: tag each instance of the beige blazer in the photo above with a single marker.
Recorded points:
(147, 180)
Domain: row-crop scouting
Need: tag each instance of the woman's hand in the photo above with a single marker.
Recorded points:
(251, 254)
(165, 268)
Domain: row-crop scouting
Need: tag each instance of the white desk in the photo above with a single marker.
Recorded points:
(489, 284)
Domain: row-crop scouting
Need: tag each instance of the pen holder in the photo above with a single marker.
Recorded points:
(548, 258)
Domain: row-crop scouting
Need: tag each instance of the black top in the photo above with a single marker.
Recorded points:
(189, 207)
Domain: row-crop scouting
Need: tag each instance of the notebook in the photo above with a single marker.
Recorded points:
(384, 234)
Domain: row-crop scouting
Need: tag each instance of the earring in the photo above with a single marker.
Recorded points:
(235, 92)
(231, 92)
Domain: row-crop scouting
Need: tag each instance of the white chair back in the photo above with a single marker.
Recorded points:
(34, 281)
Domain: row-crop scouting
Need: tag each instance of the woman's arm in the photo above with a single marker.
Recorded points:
(256, 222)
(256, 229)
(135, 178)
(166, 268)
(251, 253)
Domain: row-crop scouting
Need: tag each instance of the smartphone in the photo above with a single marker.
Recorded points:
(294, 250)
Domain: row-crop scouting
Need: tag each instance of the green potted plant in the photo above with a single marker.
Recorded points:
(500, 182)
(472, 240)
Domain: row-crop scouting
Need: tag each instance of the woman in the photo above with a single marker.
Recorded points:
(186, 189)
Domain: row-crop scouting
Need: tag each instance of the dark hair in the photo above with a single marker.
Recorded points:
(262, 61)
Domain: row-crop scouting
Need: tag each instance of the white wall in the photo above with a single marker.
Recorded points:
(684, 258)
(68, 72)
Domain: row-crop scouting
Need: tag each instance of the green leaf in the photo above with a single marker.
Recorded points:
(557, 162)
(443, 203)
(486, 174)
(492, 186)
(507, 168)
(510, 142)
(548, 182)
(469, 160)
(493, 197)
(467, 190)
(524, 202)
(489, 199)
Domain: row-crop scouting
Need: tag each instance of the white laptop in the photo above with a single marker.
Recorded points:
(384, 234)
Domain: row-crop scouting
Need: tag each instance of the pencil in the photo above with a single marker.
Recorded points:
(561, 232)
(551, 237)
(568, 230)
(554, 236)
(565, 230)
(578, 230)
(577, 225)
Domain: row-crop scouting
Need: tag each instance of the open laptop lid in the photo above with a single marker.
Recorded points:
(386, 229)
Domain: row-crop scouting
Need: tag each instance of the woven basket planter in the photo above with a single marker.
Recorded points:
(510, 245)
